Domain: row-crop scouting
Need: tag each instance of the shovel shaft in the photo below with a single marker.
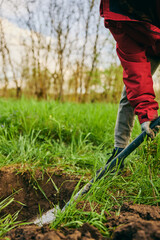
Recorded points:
(128, 150)
(116, 161)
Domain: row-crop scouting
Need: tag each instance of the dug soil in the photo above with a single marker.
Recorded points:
(43, 190)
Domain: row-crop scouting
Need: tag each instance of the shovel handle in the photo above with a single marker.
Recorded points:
(128, 150)
(117, 160)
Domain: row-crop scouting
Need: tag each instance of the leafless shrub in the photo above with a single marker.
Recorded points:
(63, 48)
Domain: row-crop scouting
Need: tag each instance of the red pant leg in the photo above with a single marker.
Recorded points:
(136, 75)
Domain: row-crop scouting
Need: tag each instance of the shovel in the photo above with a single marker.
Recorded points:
(49, 216)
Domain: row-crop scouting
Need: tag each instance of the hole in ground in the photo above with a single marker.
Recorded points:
(34, 191)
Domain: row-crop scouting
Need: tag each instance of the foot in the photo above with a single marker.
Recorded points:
(114, 153)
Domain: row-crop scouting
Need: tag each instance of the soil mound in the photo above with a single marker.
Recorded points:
(135, 222)
(86, 232)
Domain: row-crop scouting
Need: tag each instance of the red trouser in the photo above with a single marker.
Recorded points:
(133, 47)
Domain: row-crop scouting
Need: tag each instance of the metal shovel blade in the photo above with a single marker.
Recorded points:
(47, 217)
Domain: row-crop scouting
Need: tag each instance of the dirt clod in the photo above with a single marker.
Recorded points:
(86, 232)
(135, 222)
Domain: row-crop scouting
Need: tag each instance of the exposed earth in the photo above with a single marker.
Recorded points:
(135, 222)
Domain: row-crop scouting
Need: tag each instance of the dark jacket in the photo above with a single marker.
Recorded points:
(147, 11)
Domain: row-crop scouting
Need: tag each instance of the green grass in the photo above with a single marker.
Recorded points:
(50, 133)
(8, 221)
(77, 138)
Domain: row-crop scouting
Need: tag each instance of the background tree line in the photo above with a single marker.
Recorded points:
(58, 49)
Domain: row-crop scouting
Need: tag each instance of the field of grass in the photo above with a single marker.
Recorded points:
(78, 139)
